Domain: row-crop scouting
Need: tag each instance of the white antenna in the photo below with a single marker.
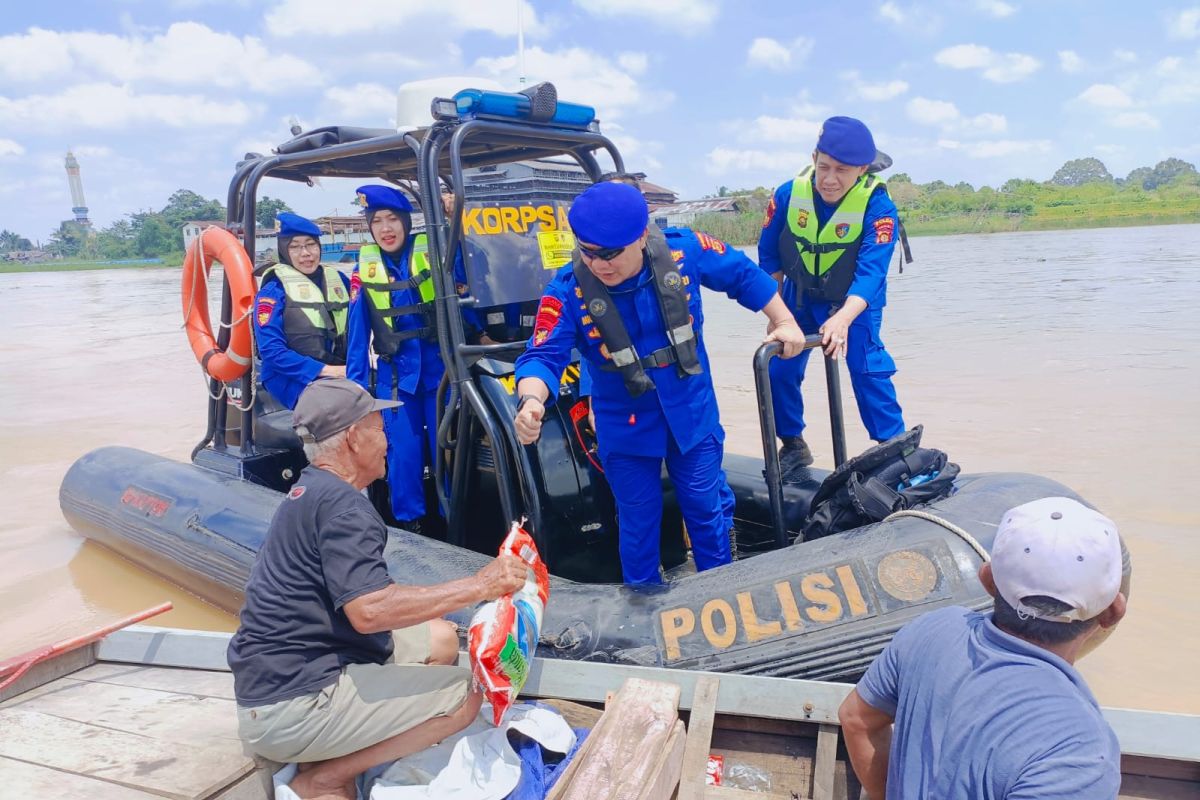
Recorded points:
(521, 40)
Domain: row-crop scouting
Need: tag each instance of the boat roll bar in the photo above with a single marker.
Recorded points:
(766, 423)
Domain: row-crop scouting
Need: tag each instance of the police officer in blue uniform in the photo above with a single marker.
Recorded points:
(301, 311)
(391, 314)
(829, 234)
(631, 305)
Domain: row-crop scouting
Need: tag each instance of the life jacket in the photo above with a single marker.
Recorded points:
(378, 285)
(820, 259)
(672, 302)
(315, 325)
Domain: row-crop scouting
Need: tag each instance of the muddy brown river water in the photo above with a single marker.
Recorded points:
(1074, 355)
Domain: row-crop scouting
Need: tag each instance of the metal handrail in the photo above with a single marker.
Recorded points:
(766, 422)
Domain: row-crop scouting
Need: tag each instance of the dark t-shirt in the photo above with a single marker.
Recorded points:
(324, 548)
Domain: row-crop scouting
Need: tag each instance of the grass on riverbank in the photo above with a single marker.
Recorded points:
(74, 266)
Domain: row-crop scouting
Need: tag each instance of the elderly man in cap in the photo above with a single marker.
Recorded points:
(334, 665)
(301, 313)
(990, 705)
(391, 315)
(829, 235)
(630, 303)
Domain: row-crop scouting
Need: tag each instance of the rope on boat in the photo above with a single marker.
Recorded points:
(948, 525)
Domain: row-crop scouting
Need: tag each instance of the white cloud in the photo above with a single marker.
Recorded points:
(578, 74)
(995, 8)
(949, 144)
(92, 151)
(10, 148)
(996, 67)
(109, 106)
(634, 63)
(1185, 24)
(1105, 95)
(1007, 147)
(783, 129)
(687, 14)
(362, 104)
(319, 18)
(188, 53)
(1125, 56)
(1135, 119)
(875, 92)
(946, 115)
(1069, 61)
(932, 112)
(722, 160)
(891, 12)
(772, 54)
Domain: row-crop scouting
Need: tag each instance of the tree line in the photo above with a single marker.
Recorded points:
(143, 234)
(1081, 193)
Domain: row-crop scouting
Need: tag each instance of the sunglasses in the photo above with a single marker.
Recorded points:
(602, 253)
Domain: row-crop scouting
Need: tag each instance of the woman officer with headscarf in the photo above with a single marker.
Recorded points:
(301, 312)
(391, 313)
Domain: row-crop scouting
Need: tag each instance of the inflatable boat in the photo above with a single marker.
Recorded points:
(792, 604)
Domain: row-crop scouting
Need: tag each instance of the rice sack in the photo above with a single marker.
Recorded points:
(504, 632)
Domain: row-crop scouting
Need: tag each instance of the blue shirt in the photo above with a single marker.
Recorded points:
(417, 365)
(874, 256)
(685, 408)
(285, 372)
(984, 715)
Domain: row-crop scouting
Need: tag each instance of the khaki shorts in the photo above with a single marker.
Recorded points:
(369, 703)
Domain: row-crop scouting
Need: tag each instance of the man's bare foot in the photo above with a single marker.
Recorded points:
(311, 786)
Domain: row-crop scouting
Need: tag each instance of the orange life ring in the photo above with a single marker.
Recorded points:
(218, 244)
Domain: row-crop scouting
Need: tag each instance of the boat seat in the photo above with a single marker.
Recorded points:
(273, 422)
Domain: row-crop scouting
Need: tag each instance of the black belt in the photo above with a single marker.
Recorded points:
(662, 357)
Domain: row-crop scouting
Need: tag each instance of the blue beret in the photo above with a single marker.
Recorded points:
(374, 198)
(609, 215)
(848, 140)
(295, 225)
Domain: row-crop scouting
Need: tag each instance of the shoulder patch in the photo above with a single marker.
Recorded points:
(884, 229)
(549, 314)
(770, 215)
(266, 306)
(677, 255)
(296, 493)
(710, 243)
(355, 285)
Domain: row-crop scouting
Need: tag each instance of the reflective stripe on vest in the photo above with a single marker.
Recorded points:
(672, 303)
(821, 259)
(378, 285)
(314, 324)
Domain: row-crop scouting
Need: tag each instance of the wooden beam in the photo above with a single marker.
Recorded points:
(825, 763)
(699, 738)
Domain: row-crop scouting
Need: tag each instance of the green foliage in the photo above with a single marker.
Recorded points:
(1080, 171)
(69, 240)
(12, 241)
(266, 209)
(1164, 172)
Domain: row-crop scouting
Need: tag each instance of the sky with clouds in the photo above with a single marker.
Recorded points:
(154, 96)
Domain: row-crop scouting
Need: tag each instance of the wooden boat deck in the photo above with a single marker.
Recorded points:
(149, 713)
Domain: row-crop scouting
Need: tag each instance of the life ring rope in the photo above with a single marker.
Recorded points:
(215, 244)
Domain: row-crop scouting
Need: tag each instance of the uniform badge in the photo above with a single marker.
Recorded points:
(672, 280)
(677, 255)
(296, 493)
(371, 272)
(593, 333)
(304, 292)
(339, 293)
(841, 229)
(579, 292)
(598, 307)
(355, 285)
(266, 307)
(884, 228)
(604, 351)
(770, 215)
(802, 218)
(548, 316)
(709, 243)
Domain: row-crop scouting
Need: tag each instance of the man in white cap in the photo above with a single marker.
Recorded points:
(990, 705)
(336, 667)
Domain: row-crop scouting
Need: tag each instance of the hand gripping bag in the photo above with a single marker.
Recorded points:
(503, 635)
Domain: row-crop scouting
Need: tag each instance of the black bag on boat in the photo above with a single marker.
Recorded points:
(891, 476)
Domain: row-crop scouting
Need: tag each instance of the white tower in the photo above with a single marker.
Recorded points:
(79, 205)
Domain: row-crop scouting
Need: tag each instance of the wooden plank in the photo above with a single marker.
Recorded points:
(826, 761)
(166, 647)
(144, 763)
(204, 683)
(699, 738)
(1137, 788)
(664, 775)
(255, 786)
(204, 721)
(51, 670)
(729, 793)
(1160, 768)
(35, 781)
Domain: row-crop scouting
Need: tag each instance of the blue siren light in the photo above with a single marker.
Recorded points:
(536, 104)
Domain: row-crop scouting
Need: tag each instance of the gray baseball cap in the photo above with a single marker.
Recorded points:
(331, 405)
